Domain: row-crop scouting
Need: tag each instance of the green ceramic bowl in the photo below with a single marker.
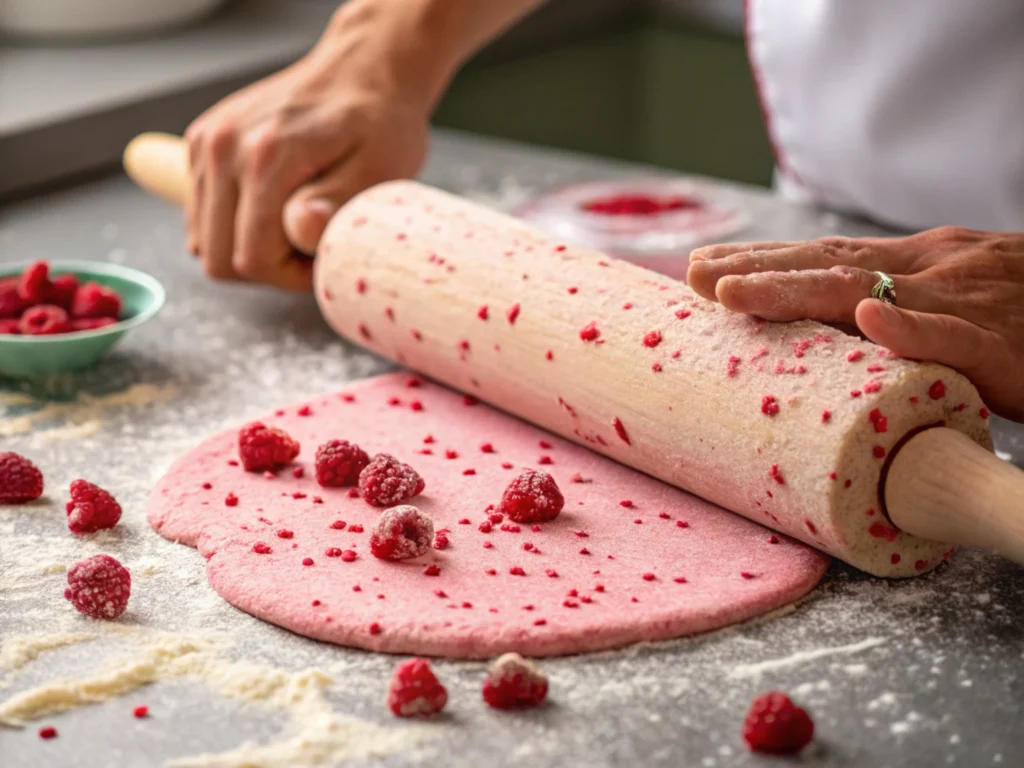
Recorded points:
(142, 297)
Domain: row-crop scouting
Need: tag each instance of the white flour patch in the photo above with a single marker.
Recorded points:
(802, 657)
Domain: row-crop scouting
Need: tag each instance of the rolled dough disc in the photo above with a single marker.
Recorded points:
(629, 558)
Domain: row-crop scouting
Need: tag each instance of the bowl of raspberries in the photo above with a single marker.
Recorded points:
(65, 315)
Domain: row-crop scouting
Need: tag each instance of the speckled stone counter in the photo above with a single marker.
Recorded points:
(918, 673)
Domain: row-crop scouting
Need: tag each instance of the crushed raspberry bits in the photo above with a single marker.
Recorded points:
(401, 533)
(99, 586)
(386, 482)
(513, 682)
(533, 497)
(415, 691)
(776, 726)
(20, 479)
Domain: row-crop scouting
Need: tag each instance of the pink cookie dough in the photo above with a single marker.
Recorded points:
(629, 558)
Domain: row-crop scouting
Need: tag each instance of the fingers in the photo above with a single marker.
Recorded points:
(219, 201)
(714, 263)
(827, 295)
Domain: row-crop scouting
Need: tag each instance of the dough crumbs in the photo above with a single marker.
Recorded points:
(533, 497)
(386, 482)
(401, 533)
(99, 586)
(415, 691)
(774, 725)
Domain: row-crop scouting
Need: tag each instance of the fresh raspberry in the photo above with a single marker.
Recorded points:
(44, 320)
(533, 497)
(386, 481)
(401, 532)
(339, 462)
(34, 283)
(10, 299)
(61, 291)
(20, 479)
(95, 300)
(99, 586)
(514, 682)
(9, 326)
(415, 691)
(91, 323)
(776, 726)
(265, 448)
(91, 508)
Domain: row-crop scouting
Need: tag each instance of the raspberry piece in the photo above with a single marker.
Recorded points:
(776, 726)
(20, 479)
(261, 447)
(91, 323)
(61, 291)
(34, 283)
(533, 497)
(95, 300)
(386, 481)
(99, 586)
(415, 691)
(514, 682)
(401, 533)
(91, 508)
(141, 711)
(44, 320)
(339, 462)
(11, 326)
(47, 732)
(10, 299)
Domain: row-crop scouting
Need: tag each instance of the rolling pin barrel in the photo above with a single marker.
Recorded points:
(796, 426)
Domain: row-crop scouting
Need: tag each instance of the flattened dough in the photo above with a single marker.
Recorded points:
(588, 580)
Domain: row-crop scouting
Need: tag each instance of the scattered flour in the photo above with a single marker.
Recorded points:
(801, 657)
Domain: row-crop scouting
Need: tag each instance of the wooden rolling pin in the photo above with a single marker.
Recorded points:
(797, 426)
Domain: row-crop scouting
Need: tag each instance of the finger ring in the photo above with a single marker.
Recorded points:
(884, 289)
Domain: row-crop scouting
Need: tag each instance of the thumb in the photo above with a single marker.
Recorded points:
(306, 214)
(944, 339)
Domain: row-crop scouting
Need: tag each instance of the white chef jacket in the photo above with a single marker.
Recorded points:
(910, 112)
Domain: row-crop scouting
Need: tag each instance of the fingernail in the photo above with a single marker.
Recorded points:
(320, 205)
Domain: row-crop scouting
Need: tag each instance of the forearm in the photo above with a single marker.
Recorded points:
(426, 41)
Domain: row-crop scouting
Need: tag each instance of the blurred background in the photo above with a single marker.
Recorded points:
(657, 81)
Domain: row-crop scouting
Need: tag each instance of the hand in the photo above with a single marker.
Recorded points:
(272, 163)
(959, 296)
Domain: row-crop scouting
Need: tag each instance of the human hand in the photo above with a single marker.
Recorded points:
(271, 163)
(959, 296)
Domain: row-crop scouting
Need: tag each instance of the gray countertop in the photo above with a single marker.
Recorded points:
(925, 672)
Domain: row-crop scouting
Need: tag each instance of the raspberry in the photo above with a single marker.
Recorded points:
(513, 682)
(265, 448)
(34, 283)
(20, 479)
(99, 586)
(339, 462)
(95, 300)
(91, 508)
(44, 320)
(415, 691)
(47, 732)
(533, 497)
(401, 533)
(91, 323)
(61, 291)
(776, 726)
(10, 299)
(9, 326)
(386, 481)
